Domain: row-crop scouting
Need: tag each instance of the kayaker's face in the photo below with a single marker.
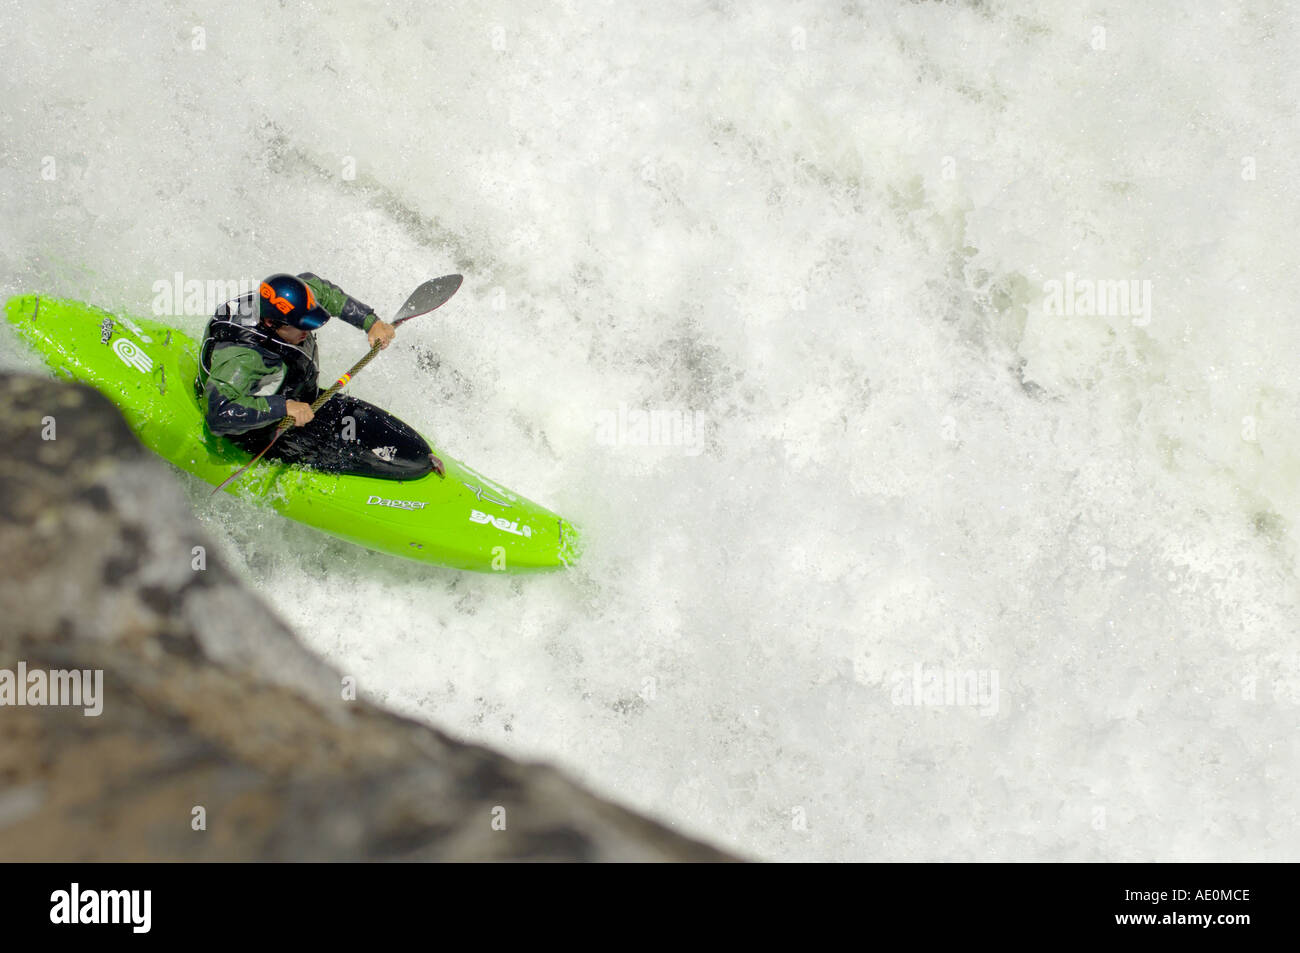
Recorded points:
(291, 334)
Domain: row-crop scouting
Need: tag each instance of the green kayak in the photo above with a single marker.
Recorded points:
(462, 520)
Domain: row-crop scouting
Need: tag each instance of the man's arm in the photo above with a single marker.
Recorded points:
(237, 374)
(339, 303)
(342, 305)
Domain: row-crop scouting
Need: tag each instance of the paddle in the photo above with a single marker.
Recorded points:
(428, 297)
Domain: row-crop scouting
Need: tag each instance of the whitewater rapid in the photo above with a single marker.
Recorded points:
(820, 238)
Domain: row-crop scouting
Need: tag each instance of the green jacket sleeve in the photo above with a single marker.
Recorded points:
(241, 390)
(339, 303)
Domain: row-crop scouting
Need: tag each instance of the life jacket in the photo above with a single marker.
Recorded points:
(294, 365)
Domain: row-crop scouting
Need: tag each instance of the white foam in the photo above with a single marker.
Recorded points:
(833, 245)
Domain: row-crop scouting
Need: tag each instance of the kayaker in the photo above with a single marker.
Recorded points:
(258, 364)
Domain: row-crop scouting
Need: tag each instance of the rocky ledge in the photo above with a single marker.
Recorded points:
(219, 737)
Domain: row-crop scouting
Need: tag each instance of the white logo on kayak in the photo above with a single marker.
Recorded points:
(501, 523)
(479, 494)
(396, 504)
(498, 490)
(385, 453)
(132, 356)
(135, 328)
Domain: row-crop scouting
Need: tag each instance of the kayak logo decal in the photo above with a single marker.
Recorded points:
(385, 453)
(396, 504)
(135, 329)
(132, 356)
(480, 495)
(501, 523)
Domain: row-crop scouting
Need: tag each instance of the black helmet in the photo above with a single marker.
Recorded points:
(289, 300)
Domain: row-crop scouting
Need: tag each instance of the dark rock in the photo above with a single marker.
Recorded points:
(209, 701)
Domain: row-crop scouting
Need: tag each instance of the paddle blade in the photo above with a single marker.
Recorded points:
(430, 295)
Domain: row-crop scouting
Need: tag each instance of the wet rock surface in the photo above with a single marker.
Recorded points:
(212, 711)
